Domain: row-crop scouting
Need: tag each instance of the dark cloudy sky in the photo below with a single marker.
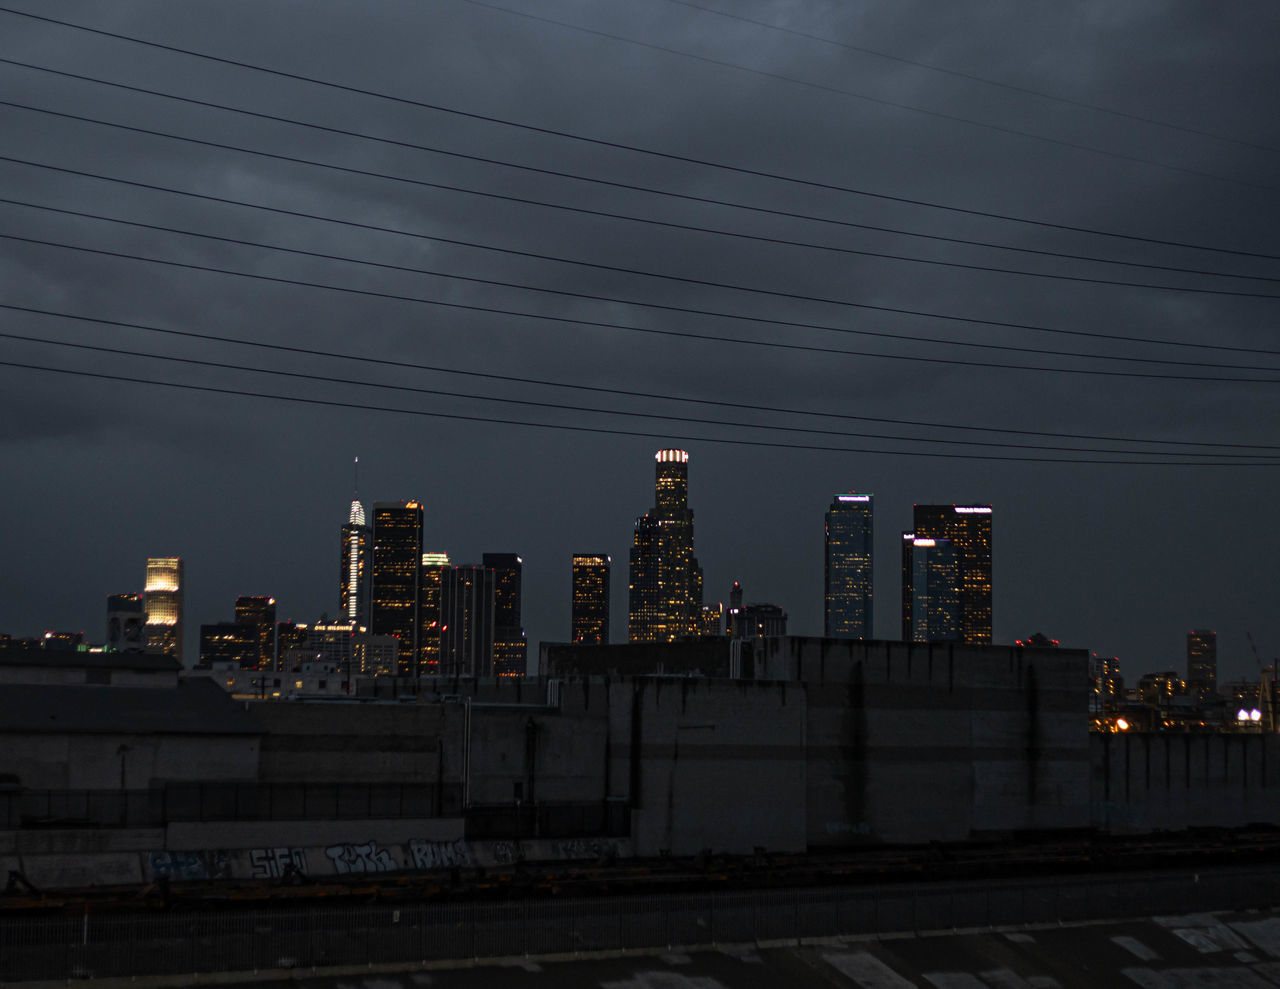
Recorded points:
(1156, 121)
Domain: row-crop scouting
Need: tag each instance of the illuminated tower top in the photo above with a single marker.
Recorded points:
(671, 481)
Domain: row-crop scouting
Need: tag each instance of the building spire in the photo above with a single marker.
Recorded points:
(357, 516)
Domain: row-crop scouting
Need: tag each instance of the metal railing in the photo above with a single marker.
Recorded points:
(96, 946)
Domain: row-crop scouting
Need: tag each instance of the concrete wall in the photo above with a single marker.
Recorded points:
(714, 764)
(915, 742)
(1148, 782)
(93, 761)
(350, 743)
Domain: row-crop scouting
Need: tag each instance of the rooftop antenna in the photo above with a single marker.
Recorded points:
(357, 477)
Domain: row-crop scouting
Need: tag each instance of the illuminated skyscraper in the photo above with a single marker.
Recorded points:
(259, 615)
(930, 590)
(355, 568)
(1202, 662)
(510, 651)
(666, 580)
(969, 529)
(162, 600)
(430, 588)
(590, 612)
(397, 569)
(847, 585)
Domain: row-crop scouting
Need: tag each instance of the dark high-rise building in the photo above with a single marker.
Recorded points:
(1202, 662)
(466, 632)
(749, 621)
(847, 584)
(259, 614)
(229, 642)
(430, 588)
(969, 529)
(162, 601)
(666, 581)
(510, 651)
(590, 612)
(357, 541)
(289, 635)
(930, 590)
(126, 623)
(397, 570)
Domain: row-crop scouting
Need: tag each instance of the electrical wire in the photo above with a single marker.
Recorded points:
(684, 334)
(617, 145)
(620, 392)
(880, 255)
(276, 373)
(607, 214)
(985, 80)
(333, 403)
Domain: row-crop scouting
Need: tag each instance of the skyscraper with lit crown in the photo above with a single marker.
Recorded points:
(162, 602)
(355, 567)
(397, 573)
(590, 613)
(968, 527)
(666, 581)
(847, 573)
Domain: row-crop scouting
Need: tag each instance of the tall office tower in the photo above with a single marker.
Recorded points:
(162, 601)
(355, 569)
(589, 622)
(666, 581)
(259, 614)
(126, 623)
(510, 651)
(430, 587)
(397, 571)
(847, 582)
(930, 590)
(969, 529)
(466, 633)
(1202, 662)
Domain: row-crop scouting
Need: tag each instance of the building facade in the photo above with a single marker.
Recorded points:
(666, 581)
(969, 529)
(589, 620)
(126, 623)
(510, 651)
(1202, 663)
(430, 587)
(162, 602)
(466, 631)
(847, 586)
(930, 590)
(259, 615)
(397, 570)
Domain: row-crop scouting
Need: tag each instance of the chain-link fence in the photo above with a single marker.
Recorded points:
(121, 944)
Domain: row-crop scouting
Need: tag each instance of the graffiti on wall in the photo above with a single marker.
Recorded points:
(365, 857)
(440, 854)
(178, 865)
(274, 863)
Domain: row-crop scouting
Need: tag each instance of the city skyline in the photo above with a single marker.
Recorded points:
(1003, 236)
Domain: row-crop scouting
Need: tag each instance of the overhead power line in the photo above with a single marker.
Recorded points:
(653, 305)
(984, 80)
(333, 403)
(524, 286)
(607, 214)
(347, 357)
(617, 145)
(876, 100)
(277, 373)
(989, 269)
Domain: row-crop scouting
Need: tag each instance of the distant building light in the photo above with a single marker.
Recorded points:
(853, 497)
(972, 509)
(925, 542)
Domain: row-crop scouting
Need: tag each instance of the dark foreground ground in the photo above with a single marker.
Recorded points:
(1177, 952)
